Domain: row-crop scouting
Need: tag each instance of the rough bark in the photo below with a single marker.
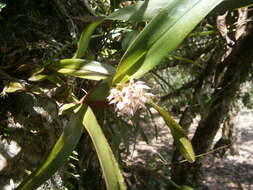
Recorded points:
(191, 111)
(227, 139)
(239, 68)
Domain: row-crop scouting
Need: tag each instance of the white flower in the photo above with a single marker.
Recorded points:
(129, 97)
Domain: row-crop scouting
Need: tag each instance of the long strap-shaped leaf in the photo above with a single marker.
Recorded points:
(233, 4)
(180, 137)
(110, 168)
(84, 40)
(86, 69)
(163, 34)
(148, 9)
(60, 152)
(140, 11)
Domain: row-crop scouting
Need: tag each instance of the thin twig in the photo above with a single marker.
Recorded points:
(200, 155)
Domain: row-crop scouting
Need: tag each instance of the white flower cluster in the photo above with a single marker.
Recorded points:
(129, 97)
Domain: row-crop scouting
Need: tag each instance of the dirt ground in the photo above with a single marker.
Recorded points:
(231, 172)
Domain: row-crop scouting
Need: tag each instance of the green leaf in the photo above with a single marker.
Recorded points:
(100, 92)
(52, 78)
(162, 35)
(110, 168)
(84, 40)
(148, 9)
(60, 152)
(2, 5)
(185, 187)
(128, 39)
(65, 107)
(141, 11)
(14, 86)
(81, 68)
(233, 4)
(187, 60)
(38, 77)
(204, 33)
(180, 137)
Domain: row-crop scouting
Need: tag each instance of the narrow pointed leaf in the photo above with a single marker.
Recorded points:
(65, 107)
(204, 33)
(162, 35)
(180, 137)
(141, 11)
(60, 152)
(81, 68)
(185, 187)
(187, 60)
(148, 9)
(84, 40)
(110, 168)
(52, 78)
(38, 77)
(14, 86)
(233, 4)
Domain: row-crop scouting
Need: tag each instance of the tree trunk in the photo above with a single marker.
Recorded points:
(239, 64)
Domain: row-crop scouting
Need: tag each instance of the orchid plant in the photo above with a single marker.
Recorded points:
(169, 23)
